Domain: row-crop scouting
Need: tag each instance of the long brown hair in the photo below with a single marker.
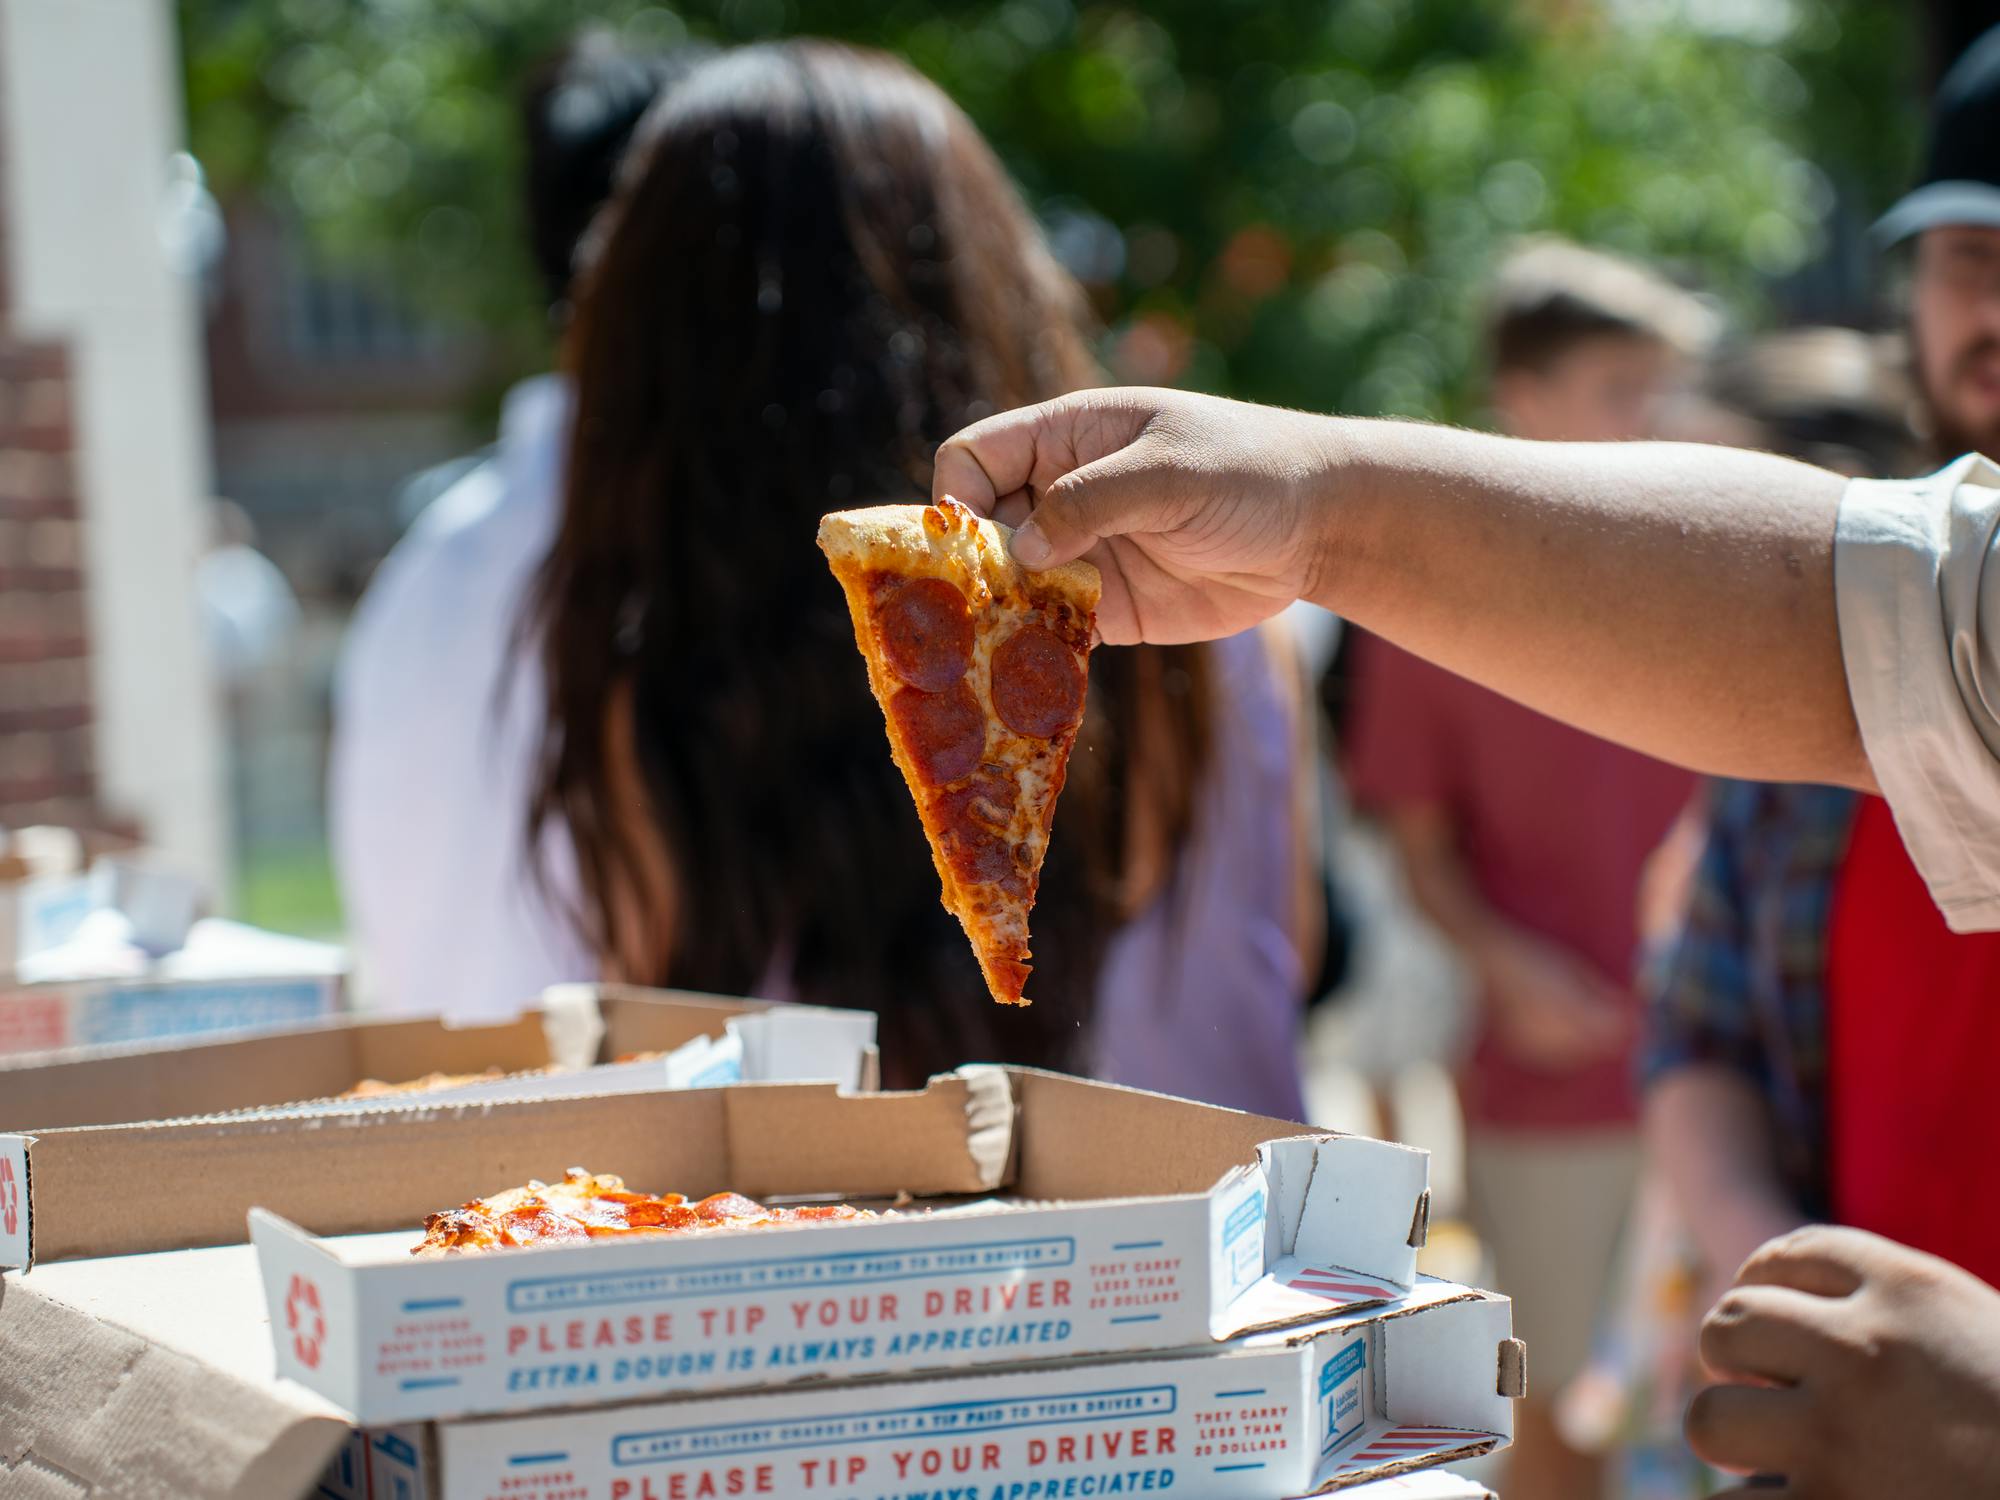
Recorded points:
(814, 271)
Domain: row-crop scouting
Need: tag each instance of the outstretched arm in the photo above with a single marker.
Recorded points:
(1676, 598)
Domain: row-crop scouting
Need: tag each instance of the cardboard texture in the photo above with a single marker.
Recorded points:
(577, 1027)
(1327, 1406)
(95, 990)
(1188, 1225)
(151, 1375)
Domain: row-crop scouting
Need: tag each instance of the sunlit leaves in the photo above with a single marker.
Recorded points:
(1291, 199)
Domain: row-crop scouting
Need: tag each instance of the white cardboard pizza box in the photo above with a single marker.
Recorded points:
(1088, 1252)
(152, 1374)
(99, 987)
(581, 1030)
(1137, 1222)
(1414, 1383)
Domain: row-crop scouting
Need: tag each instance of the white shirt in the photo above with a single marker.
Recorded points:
(1917, 587)
(248, 610)
(436, 724)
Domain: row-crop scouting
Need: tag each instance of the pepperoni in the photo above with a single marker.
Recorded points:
(657, 1216)
(972, 831)
(1037, 684)
(926, 633)
(728, 1206)
(945, 733)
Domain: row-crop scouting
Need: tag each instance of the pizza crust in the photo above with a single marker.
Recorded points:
(895, 538)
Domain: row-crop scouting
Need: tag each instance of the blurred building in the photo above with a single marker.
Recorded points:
(329, 391)
(106, 708)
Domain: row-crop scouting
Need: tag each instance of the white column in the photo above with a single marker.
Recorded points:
(90, 114)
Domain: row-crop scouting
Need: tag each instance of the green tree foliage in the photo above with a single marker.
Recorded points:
(1286, 200)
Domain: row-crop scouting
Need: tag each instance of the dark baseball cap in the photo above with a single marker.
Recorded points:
(1961, 181)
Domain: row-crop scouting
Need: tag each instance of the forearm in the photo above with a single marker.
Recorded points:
(1673, 597)
(1707, 1131)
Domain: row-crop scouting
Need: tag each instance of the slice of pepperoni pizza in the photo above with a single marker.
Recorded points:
(979, 666)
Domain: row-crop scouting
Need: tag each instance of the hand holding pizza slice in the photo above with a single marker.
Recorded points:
(980, 669)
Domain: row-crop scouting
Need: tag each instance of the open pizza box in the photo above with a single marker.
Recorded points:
(571, 1044)
(1046, 1217)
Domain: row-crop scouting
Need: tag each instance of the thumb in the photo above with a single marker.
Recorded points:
(1117, 495)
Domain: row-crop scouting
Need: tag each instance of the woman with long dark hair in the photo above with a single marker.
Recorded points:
(814, 271)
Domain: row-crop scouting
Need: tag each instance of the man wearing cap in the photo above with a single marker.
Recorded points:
(1738, 613)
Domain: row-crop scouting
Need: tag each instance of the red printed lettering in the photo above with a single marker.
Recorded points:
(730, 1322)
(1136, 1442)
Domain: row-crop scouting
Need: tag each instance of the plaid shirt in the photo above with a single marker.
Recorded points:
(1743, 984)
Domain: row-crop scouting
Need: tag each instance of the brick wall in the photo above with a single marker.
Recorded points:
(47, 770)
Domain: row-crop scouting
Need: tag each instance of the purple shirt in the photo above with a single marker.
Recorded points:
(1200, 994)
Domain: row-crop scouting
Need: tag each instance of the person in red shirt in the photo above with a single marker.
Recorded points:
(1524, 840)
(1818, 1038)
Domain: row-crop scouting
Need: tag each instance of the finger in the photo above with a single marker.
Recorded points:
(1750, 1429)
(1770, 1333)
(1123, 493)
(1013, 509)
(1021, 452)
(1823, 1259)
(984, 463)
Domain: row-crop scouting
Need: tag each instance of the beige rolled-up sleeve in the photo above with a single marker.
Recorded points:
(1917, 586)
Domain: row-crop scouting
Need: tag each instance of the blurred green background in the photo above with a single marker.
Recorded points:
(1287, 201)
(1290, 201)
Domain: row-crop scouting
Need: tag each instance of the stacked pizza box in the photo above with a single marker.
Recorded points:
(1067, 1289)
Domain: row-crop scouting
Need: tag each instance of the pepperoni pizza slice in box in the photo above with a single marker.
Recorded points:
(979, 666)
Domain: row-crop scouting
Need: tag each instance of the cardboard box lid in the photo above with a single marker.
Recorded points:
(151, 1375)
(179, 1077)
(128, 1188)
(182, 1077)
(123, 1189)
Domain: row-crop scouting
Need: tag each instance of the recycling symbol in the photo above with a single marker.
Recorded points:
(305, 1321)
(10, 1198)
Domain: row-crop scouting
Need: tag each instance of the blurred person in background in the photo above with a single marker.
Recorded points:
(1523, 840)
(252, 623)
(1823, 1035)
(435, 724)
(1819, 1041)
(250, 613)
(814, 271)
(1733, 1056)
